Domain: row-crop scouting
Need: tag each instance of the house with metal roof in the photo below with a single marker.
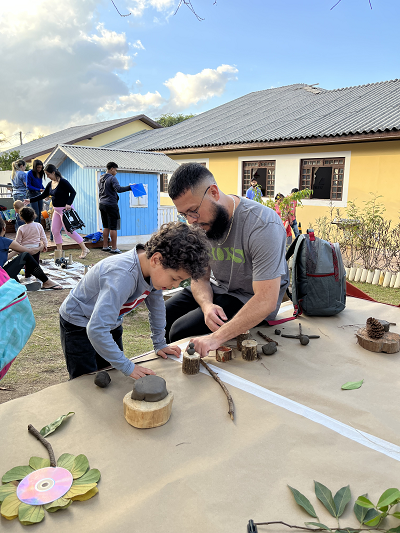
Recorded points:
(97, 134)
(342, 143)
(82, 166)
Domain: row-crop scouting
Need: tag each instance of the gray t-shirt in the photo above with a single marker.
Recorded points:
(254, 251)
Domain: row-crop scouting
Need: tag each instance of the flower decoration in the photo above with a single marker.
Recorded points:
(24, 489)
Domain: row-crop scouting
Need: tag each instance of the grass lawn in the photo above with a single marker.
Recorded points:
(41, 363)
(385, 295)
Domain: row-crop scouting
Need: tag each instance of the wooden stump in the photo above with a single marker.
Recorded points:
(249, 350)
(240, 338)
(191, 363)
(389, 343)
(223, 354)
(141, 414)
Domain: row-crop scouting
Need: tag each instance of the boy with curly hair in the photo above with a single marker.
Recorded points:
(91, 316)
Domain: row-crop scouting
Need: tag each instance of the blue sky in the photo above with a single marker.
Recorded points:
(77, 61)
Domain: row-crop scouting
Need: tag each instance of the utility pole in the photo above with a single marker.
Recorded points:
(20, 137)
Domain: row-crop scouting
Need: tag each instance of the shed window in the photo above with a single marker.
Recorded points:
(139, 201)
(164, 182)
(263, 172)
(324, 177)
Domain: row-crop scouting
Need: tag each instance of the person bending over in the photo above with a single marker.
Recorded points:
(247, 260)
(91, 316)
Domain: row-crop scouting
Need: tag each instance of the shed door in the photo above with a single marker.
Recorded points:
(141, 219)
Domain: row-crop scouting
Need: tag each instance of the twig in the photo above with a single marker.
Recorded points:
(324, 333)
(45, 443)
(6, 388)
(266, 368)
(231, 411)
(266, 338)
(315, 528)
(39, 336)
(188, 4)
(119, 12)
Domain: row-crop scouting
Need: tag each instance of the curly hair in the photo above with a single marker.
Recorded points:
(181, 247)
(27, 214)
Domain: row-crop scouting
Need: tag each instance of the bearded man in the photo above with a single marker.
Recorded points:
(248, 265)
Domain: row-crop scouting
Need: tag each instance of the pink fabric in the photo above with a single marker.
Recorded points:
(57, 225)
(3, 276)
(31, 235)
(4, 370)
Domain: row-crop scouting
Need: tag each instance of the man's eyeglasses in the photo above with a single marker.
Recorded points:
(195, 213)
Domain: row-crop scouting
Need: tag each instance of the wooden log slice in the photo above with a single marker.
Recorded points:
(223, 354)
(240, 338)
(141, 414)
(389, 343)
(191, 363)
(249, 350)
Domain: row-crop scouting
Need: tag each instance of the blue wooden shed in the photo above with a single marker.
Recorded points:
(82, 166)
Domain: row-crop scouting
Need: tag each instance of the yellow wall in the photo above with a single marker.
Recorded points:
(374, 167)
(115, 134)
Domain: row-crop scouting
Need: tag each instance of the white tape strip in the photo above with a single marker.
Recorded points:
(370, 441)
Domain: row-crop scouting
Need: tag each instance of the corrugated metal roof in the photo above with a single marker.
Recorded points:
(74, 134)
(97, 158)
(292, 112)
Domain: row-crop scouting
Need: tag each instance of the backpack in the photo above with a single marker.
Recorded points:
(318, 276)
(72, 221)
(16, 320)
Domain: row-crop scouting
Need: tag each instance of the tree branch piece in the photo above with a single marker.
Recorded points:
(45, 443)
(266, 338)
(231, 411)
(188, 4)
(314, 528)
(119, 12)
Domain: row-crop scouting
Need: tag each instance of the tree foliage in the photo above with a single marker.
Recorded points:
(170, 119)
(6, 159)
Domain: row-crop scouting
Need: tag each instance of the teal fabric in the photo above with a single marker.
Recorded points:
(16, 321)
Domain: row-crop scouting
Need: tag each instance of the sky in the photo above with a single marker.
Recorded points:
(72, 62)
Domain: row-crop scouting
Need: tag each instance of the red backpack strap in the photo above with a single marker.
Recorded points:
(296, 313)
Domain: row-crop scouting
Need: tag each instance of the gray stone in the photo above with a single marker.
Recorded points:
(269, 349)
(149, 389)
(102, 379)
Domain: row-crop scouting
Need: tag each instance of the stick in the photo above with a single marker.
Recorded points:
(45, 443)
(266, 338)
(231, 411)
(313, 528)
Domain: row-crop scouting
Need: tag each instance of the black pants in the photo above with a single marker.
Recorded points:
(186, 319)
(26, 260)
(80, 356)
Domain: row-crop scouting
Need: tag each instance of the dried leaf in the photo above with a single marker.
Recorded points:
(46, 430)
(388, 498)
(303, 502)
(351, 385)
(6, 490)
(77, 490)
(16, 474)
(86, 496)
(66, 460)
(80, 466)
(30, 514)
(9, 507)
(37, 463)
(92, 476)
(317, 524)
(341, 499)
(61, 503)
(325, 497)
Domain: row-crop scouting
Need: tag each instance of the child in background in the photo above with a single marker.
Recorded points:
(31, 235)
(18, 205)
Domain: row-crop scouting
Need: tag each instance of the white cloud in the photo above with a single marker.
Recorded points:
(138, 44)
(137, 7)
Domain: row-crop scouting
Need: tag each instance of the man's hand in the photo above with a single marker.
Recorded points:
(68, 207)
(27, 201)
(203, 345)
(214, 316)
(169, 350)
(141, 371)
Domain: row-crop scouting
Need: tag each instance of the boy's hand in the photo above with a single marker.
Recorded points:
(141, 371)
(169, 350)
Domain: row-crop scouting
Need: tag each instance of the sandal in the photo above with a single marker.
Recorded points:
(53, 288)
(85, 253)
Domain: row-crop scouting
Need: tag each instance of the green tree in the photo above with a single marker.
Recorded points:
(170, 119)
(6, 158)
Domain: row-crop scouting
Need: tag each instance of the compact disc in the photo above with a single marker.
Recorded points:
(44, 485)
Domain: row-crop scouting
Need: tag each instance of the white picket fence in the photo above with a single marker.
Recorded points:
(375, 277)
(167, 213)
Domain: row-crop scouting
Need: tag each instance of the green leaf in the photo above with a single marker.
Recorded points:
(46, 430)
(80, 466)
(317, 524)
(303, 502)
(16, 474)
(325, 497)
(396, 515)
(388, 497)
(37, 463)
(348, 530)
(5, 490)
(375, 521)
(371, 513)
(351, 385)
(77, 490)
(30, 514)
(394, 529)
(66, 460)
(10, 505)
(362, 501)
(83, 497)
(341, 499)
(360, 511)
(61, 503)
(92, 476)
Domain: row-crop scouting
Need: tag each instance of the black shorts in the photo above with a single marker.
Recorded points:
(110, 216)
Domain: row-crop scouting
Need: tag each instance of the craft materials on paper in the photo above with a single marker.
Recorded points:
(190, 361)
(44, 485)
(377, 337)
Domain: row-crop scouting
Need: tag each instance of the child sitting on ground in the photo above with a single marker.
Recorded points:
(91, 315)
(30, 235)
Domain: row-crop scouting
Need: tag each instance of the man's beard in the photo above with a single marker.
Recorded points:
(219, 225)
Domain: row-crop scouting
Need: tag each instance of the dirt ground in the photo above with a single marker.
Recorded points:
(41, 363)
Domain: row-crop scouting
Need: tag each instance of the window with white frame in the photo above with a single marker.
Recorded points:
(139, 201)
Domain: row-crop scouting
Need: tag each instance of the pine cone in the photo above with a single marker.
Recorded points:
(375, 330)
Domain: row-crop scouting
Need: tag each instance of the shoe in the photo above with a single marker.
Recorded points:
(106, 249)
(116, 251)
(84, 254)
(34, 286)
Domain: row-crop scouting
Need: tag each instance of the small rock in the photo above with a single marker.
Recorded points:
(277, 332)
(269, 349)
(102, 379)
(304, 340)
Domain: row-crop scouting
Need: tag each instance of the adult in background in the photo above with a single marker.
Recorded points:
(252, 191)
(248, 263)
(18, 178)
(293, 221)
(34, 184)
(109, 188)
(25, 260)
(62, 194)
(284, 216)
